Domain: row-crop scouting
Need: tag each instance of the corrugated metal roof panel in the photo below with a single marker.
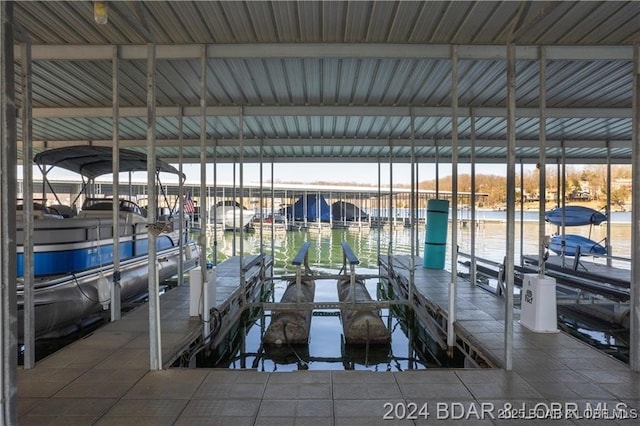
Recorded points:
(480, 22)
(335, 80)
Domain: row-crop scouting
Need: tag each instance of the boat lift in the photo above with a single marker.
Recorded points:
(301, 263)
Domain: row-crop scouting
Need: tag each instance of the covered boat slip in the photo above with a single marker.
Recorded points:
(292, 326)
(428, 84)
(359, 313)
(125, 342)
(105, 377)
(479, 329)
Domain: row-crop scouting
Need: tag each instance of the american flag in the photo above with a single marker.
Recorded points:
(188, 205)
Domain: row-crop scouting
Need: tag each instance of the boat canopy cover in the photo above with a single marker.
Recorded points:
(317, 207)
(575, 216)
(569, 243)
(347, 211)
(94, 161)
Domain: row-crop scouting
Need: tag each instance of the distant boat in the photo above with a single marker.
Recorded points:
(231, 214)
(571, 244)
(311, 207)
(575, 216)
(341, 210)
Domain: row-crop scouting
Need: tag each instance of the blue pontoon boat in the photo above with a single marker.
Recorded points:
(73, 256)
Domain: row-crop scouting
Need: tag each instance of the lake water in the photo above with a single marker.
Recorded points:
(326, 252)
(326, 349)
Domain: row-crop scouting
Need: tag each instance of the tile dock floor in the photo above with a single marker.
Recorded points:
(104, 380)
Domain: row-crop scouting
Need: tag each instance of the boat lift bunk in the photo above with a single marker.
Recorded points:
(291, 327)
(361, 325)
(611, 286)
(361, 320)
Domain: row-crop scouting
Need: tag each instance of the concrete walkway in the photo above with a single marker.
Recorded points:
(104, 380)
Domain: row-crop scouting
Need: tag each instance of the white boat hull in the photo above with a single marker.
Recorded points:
(232, 218)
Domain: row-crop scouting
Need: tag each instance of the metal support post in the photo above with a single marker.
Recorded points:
(115, 125)
(155, 347)
(542, 160)
(472, 266)
(8, 161)
(28, 296)
(634, 333)
(451, 319)
(181, 225)
(412, 208)
(511, 195)
(242, 271)
(608, 245)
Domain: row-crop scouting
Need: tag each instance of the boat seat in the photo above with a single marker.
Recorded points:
(62, 210)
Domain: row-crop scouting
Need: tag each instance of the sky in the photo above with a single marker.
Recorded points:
(360, 173)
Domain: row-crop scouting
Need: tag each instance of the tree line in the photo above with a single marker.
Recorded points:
(587, 183)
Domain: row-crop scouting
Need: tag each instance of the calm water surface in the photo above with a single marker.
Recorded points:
(326, 349)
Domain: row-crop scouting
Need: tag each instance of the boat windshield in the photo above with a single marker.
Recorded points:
(103, 204)
(228, 203)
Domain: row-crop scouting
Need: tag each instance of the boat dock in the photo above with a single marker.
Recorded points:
(581, 267)
(105, 378)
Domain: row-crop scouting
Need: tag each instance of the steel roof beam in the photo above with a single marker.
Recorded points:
(376, 143)
(533, 159)
(326, 50)
(327, 111)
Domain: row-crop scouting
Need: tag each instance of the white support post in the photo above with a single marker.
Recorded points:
(634, 333)
(215, 202)
(241, 225)
(27, 206)
(511, 204)
(203, 165)
(542, 160)
(472, 266)
(181, 226)
(451, 336)
(412, 208)
(8, 161)
(391, 216)
(608, 245)
(155, 346)
(115, 126)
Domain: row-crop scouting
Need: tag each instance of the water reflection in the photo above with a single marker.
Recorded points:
(325, 250)
(409, 348)
(326, 349)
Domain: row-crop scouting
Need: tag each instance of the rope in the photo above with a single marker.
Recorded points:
(301, 364)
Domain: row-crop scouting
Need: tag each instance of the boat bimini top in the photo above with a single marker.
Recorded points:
(93, 161)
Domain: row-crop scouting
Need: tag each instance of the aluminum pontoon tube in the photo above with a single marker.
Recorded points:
(292, 327)
(361, 326)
